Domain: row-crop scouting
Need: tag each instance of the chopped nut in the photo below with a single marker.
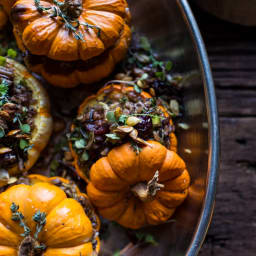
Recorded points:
(5, 150)
(5, 115)
(152, 92)
(13, 132)
(132, 120)
(120, 76)
(124, 129)
(12, 180)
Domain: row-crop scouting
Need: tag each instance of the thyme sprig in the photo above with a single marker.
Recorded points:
(71, 23)
(18, 216)
(38, 217)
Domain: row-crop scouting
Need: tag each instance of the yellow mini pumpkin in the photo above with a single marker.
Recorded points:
(49, 217)
(72, 42)
(137, 190)
(25, 120)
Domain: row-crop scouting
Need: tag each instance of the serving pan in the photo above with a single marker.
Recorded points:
(173, 32)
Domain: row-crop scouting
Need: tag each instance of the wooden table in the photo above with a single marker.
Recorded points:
(232, 54)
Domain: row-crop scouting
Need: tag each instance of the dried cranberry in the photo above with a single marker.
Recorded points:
(145, 126)
(163, 88)
(99, 127)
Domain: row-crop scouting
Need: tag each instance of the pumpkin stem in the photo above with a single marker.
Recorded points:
(30, 247)
(146, 192)
(72, 8)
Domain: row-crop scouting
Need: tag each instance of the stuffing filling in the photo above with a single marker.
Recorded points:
(117, 117)
(16, 119)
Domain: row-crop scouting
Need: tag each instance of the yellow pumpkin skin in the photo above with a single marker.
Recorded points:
(90, 59)
(115, 178)
(42, 120)
(3, 18)
(68, 230)
(118, 88)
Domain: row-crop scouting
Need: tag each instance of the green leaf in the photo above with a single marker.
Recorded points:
(168, 65)
(160, 75)
(79, 144)
(116, 253)
(85, 156)
(112, 136)
(23, 144)
(122, 119)
(11, 53)
(111, 117)
(25, 128)
(2, 61)
(4, 88)
(137, 88)
(2, 132)
(144, 43)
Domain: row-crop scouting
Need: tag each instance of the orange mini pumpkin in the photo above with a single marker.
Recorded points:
(43, 219)
(3, 17)
(72, 41)
(28, 139)
(137, 190)
(95, 120)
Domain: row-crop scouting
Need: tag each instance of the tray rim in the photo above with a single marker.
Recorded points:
(214, 137)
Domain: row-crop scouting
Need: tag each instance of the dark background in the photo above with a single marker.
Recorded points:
(232, 53)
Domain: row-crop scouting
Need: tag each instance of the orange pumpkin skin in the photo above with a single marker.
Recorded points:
(89, 100)
(3, 18)
(90, 59)
(68, 229)
(113, 180)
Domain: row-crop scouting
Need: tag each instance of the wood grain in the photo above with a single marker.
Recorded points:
(232, 54)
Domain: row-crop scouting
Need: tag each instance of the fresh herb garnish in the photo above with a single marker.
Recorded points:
(112, 136)
(80, 144)
(11, 53)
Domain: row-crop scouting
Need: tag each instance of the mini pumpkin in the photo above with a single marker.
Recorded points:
(48, 217)
(3, 17)
(137, 190)
(115, 115)
(25, 120)
(72, 41)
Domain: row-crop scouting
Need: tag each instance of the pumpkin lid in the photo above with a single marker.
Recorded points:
(70, 30)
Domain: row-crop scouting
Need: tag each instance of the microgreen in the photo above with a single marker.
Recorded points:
(112, 136)
(80, 144)
(11, 53)
(23, 144)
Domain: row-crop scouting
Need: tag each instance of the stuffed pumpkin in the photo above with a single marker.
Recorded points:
(116, 115)
(25, 120)
(48, 217)
(72, 41)
(3, 17)
(137, 190)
